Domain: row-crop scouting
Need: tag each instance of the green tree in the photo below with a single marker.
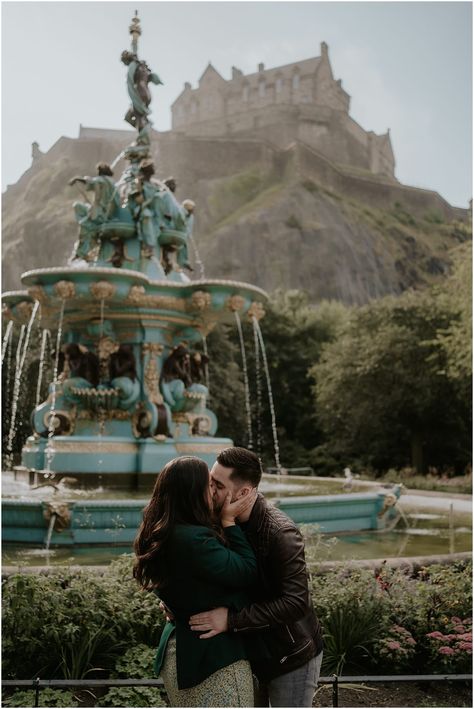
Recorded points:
(455, 296)
(382, 393)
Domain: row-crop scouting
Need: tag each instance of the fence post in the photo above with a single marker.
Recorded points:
(37, 691)
(335, 691)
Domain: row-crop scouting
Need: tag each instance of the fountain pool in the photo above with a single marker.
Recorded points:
(430, 528)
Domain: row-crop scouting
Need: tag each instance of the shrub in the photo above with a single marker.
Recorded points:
(310, 186)
(293, 222)
(451, 648)
(137, 662)
(132, 697)
(73, 623)
(408, 620)
(434, 217)
(354, 613)
(48, 698)
(397, 649)
(350, 633)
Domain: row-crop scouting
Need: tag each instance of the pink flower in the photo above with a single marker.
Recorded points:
(411, 641)
(436, 635)
(465, 646)
(394, 645)
(465, 636)
(455, 619)
(459, 628)
(445, 650)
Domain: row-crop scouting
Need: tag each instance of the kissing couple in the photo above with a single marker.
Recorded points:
(230, 570)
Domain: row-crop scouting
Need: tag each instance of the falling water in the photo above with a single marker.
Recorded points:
(206, 366)
(8, 355)
(44, 339)
(21, 352)
(49, 452)
(101, 414)
(197, 256)
(16, 391)
(246, 380)
(50, 531)
(102, 306)
(258, 377)
(119, 156)
(270, 395)
(6, 339)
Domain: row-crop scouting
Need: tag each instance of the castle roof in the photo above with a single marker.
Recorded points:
(210, 72)
(306, 66)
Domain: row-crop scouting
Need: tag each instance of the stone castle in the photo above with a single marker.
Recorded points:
(300, 101)
(272, 159)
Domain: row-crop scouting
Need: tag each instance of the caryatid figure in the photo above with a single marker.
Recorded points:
(91, 215)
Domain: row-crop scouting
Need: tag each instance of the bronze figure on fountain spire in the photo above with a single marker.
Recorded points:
(139, 75)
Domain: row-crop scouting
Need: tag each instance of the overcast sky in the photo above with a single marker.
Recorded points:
(406, 65)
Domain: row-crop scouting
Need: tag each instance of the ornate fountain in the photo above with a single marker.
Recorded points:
(129, 390)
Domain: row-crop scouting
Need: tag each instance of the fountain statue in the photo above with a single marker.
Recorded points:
(129, 389)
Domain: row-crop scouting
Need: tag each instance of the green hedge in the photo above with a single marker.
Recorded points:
(74, 624)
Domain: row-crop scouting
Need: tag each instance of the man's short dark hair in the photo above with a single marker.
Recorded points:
(245, 465)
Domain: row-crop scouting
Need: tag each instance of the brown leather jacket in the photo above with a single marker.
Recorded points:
(281, 628)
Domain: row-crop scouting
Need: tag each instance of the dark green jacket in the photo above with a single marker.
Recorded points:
(202, 573)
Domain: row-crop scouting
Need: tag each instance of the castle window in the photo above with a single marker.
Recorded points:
(278, 85)
(261, 89)
(245, 93)
(296, 81)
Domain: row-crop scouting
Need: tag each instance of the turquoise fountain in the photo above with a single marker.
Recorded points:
(129, 391)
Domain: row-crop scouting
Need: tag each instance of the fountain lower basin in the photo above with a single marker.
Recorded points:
(116, 521)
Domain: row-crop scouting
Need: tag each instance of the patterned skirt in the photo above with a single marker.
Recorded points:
(232, 686)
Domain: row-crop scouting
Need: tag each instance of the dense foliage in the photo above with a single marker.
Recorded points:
(74, 624)
(386, 385)
(393, 389)
(394, 623)
(71, 623)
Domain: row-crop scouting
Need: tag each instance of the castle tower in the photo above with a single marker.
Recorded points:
(299, 101)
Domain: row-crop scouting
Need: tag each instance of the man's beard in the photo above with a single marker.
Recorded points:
(217, 506)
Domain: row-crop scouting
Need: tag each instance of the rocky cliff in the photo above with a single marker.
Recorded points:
(273, 218)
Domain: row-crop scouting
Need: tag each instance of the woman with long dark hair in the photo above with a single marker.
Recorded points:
(193, 562)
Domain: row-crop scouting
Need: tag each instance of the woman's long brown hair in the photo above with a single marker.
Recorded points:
(180, 496)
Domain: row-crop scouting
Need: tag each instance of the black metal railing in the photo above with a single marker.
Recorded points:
(37, 684)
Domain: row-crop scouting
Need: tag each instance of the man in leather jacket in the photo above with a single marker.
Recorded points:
(284, 636)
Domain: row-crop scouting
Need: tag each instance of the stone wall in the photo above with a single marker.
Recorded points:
(376, 192)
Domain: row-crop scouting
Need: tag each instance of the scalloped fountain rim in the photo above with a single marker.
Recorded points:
(134, 274)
